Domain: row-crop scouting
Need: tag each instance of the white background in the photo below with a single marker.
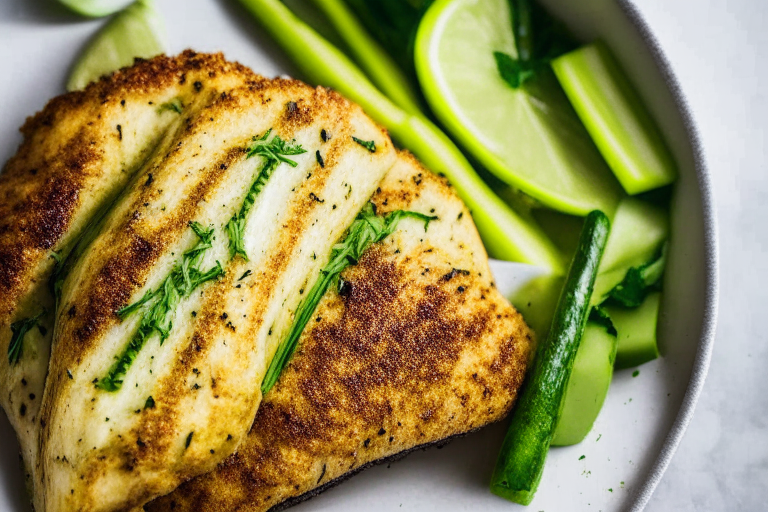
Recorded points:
(719, 52)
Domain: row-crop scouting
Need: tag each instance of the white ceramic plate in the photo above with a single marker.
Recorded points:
(643, 418)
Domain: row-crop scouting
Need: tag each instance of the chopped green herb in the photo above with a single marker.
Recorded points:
(635, 373)
(582, 457)
(514, 72)
(367, 144)
(174, 105)
(245, 274)
(19, 329)
(539, 38)
(599, 316)
(150, 403)
(639, 282)
(274, 152)
(367, 229)
(184, 278)
(189, 440)
(319, 158)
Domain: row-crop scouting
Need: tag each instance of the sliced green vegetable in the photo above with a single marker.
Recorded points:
(535, 417)
(637, 343)
(158, 305)
(589, 382)
(367, 229)
(393, 23)
(274, 151)
(529, 136)
(96, 8)
(370, 56)
(616, 118)
(506, 235)
(137, 31)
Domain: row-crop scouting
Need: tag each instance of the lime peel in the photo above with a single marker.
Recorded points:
(137, 31)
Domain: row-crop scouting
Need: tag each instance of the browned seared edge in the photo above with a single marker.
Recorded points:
(415, 346)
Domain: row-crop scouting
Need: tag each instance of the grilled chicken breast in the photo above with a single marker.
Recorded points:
(201, 237)
(414, 346)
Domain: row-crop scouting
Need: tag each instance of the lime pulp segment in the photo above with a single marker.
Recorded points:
(529, 137)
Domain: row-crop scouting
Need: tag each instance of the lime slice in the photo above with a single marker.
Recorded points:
(95, 8)
(616, 118)
(529, 137)
(138, 31)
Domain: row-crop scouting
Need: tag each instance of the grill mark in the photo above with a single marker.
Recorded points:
(38, 222)
(127, 269)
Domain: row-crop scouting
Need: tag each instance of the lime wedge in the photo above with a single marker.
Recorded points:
(529, 137)
(137, 31)
(95, 8)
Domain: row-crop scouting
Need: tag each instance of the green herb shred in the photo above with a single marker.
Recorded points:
(274, 152)
(175, 105)
(19, 329)
(514, 72)
(367, 144)
(639, 281)
(157, 306)
(600, 316)
(367, 229)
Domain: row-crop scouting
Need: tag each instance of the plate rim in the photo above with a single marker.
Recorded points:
(706, 343)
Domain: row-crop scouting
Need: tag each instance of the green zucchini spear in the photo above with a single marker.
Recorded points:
(521, 461)
(505, 234)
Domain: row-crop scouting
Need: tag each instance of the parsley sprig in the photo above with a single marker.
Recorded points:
(19, 329)
(157, 306)
(367, 229)
(274, 152)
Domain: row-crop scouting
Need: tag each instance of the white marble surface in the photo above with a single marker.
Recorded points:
(719, 52)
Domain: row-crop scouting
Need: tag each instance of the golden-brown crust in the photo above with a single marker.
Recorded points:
(201, 172)
(77, 155)
(415, 346)
(41, 186)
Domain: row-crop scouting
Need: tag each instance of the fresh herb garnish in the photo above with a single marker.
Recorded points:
(19, 329)
(158, 305)
(599, 316)
(367, 144)
(539, 38)
(639, 282)
(274, 152)
(514, 72)
(367, 229)
(175, 105)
